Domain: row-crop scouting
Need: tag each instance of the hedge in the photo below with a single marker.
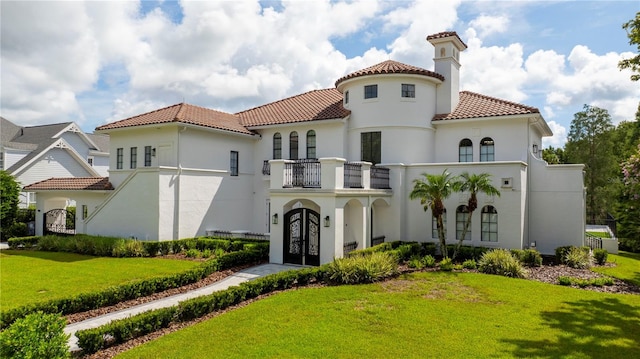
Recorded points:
(26, 242)
(113, 295)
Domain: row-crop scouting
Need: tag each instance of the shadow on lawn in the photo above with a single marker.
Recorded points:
(51, 256)
(590, 329)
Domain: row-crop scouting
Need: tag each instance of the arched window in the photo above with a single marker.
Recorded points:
(465, 151)
(434, 224)
(489, 224)
(462, 214)
(311, 144)
(293, 145)
(487, 152)
(277, 146)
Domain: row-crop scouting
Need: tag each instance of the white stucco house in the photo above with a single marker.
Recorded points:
(332, 169)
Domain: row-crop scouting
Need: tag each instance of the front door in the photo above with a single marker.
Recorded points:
(302, 237)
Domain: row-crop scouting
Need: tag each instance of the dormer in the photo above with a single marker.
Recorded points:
(447, 48)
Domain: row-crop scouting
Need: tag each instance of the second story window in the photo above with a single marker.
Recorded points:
(346, 97)
(487, 152)
(119, 158)
(147, 156)
(371, 147)
(293, 145)
(277, 146)
(233, 167)
(371, 91)
(311, 144)
(134, 157)
(90, 160)
(409, 90)
(465, 151)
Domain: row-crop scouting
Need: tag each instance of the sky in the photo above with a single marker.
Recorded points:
(95, 62)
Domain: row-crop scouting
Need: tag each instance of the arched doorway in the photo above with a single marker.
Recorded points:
(59, 221)
(302, 237)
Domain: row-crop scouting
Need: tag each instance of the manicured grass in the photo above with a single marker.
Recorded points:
(31, 276)
(438, 315)
(600, 234)
(627, 267)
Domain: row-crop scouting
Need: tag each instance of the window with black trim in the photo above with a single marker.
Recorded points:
(370, 91)
(277, 146)
(90, 160)
(311, 144)
(462, 214)
(233, 167)
(434, 224)
(487, 151)
(133, 158)
(371, 147)
(293, 145)
(85, 211)
(119, 158)
(409, 90)
(346, 97)
(465, 151)
(489, 224)
(147, 156)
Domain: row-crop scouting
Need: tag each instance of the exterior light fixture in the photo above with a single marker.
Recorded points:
(153, 152)
(327, 221)
(535, 148)
(274, 219)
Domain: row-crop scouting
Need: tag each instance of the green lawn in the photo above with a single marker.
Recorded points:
(600, 234)
(437, 315)
(31, 276)
(627, 267)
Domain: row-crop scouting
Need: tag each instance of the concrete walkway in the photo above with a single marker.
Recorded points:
(232, 280)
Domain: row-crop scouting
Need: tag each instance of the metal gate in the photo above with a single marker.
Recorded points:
(302, 237)
(59, 221)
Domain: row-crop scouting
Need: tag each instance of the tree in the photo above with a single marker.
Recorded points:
(589, 142)
(474, 184)
(554, 156)
(432, 191)
(633, 33)
(9, 197)
(629, 216)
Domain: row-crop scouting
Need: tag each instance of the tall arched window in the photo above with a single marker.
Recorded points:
(487, 152)
(434, 224)
(277, 146)
(311, 144)
(465, 151)
(489, 224)
(462, 214)
(293, 145)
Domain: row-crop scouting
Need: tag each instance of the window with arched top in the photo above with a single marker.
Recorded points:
(489, 224)
(442, 51)
(293, 145)
(277, 146)
(434, 224)
(462, 215)
(487, 151)
(311, 144)
(465, 151)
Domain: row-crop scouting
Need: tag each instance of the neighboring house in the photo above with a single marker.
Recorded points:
(35, 153)
(331, 170)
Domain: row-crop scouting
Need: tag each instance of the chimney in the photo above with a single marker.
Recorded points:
(447, 63)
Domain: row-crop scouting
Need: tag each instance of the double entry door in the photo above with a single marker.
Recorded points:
(302, 237)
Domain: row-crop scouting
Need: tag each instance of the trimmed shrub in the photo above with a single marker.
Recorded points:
(415, 262)
(382, 247)
(151, 248)
(193, 253)
(528, 257)
(26, 242)
(128, 248)
(429, 249)
(600, 256)
(577, 258)
(629, 244)
(408, 250)
(446, 265)
(469, 264)
(37, 335)
(561, 253)
(582, 283)
(429, 261)
(501, 262)
(164, 247)
(362, 269)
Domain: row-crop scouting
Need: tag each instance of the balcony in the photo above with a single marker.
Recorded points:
(325, 173)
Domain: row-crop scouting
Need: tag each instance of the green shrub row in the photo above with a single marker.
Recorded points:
(363, 269)
(528, 257)
(629, 244)
(23, 242)
(38, 335)
(113, 295)
(501, 262)
(595, 282)
(92, 340)
(600, 256)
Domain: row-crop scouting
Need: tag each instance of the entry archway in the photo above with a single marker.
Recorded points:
(302, 237)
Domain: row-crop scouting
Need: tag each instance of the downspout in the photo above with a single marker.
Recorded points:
(528, 193)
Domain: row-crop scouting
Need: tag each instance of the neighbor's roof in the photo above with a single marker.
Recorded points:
(182, 113)
(35, 139)
(309, 106)
(72, 184)
(390, 67)
(474, 105)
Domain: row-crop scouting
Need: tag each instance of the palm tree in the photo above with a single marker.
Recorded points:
(431, 191)
(474, 184)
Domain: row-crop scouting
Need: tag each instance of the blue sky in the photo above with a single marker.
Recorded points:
(97, 62)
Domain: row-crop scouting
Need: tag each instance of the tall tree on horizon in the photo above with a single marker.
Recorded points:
(633, 33)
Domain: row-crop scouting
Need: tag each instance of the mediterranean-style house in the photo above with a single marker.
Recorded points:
(35, 153)
(330, 170)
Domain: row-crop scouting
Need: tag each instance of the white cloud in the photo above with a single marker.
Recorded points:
(559, 135)
(487, 25)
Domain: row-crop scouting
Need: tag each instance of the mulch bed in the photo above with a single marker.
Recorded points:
(545, 273)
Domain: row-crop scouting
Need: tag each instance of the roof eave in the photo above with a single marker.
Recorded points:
(297, 122)
(452, 121)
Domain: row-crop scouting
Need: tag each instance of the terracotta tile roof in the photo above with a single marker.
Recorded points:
(445, 34)
(473, 105)
(390, 67)
(73, 184)
(309, 106)
(183, 113)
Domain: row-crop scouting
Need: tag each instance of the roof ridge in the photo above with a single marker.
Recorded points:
(284, 99)
(142, 114)
(500, 100)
